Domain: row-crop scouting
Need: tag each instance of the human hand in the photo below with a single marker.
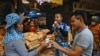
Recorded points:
(42, 46)
(54, 44)
(56, 24)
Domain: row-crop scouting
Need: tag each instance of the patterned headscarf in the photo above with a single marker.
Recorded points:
(12, 33)
(12, 19)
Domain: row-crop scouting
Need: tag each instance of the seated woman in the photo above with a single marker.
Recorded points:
(14, 40)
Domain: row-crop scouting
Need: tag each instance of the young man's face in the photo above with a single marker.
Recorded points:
(75, 23)
(58, 18)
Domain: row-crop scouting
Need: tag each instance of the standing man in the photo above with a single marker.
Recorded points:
(95, 28)
(83, 39)
(61, 30)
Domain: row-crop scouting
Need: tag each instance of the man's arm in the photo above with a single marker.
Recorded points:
(82, 43)
(77, 51)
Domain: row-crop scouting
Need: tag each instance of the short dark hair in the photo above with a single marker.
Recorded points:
(60, 14)
(80, 14)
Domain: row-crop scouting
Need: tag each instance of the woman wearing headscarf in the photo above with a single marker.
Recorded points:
(14, 39)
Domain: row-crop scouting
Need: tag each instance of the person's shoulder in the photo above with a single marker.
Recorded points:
(64, 23)
(86, 32)
(52, 25)
(17, 41)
